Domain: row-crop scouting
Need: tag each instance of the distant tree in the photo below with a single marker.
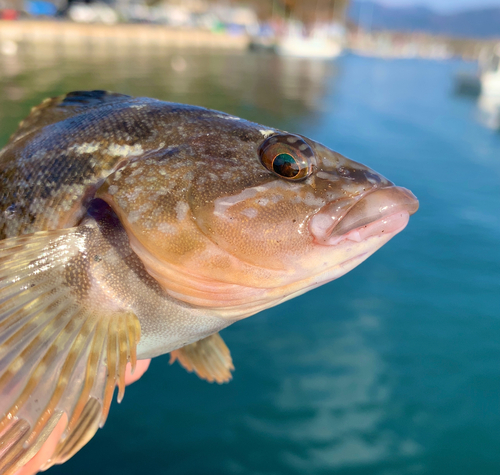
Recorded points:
(308, 11)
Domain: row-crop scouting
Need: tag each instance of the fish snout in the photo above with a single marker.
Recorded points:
(380, 210)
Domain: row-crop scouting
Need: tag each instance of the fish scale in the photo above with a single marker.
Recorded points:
(132, 227)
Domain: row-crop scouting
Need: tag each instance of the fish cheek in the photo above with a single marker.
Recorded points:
(266, 228)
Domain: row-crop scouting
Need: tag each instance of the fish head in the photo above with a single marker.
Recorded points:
(240, 218)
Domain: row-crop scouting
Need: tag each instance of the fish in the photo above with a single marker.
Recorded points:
(132, 227)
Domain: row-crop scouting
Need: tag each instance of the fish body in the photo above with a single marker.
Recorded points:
(133, 227)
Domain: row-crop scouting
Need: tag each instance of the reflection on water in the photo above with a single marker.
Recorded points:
(258, 87)
(346, 392)
(489, 107)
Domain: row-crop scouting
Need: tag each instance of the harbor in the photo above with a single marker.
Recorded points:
(70, 35)
(391, 369)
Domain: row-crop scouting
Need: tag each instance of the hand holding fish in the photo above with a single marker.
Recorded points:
(48, 448)
(132, 227)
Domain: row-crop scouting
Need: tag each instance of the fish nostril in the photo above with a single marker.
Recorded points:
(343, 171)
(373, 178)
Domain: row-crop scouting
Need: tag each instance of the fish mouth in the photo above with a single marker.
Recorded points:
(377, 212)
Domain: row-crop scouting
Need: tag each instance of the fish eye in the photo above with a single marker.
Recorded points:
(288, 156)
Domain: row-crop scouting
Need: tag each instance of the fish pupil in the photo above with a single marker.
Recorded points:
(285, 165)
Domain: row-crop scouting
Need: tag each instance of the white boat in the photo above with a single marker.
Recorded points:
(490, 73)
(489, 100)
(320, 43)
(309, 47)
(489, 108)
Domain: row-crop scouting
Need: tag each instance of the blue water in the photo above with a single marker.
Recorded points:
(395, 368)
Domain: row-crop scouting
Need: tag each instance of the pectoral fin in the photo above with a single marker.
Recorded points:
(63, 347)
(209, 358)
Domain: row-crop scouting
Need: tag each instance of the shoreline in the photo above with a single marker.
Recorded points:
(65, 33)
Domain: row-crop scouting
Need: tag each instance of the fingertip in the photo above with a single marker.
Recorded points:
(46, 451)
(140, 368)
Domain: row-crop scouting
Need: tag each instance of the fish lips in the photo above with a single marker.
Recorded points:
(376, 212)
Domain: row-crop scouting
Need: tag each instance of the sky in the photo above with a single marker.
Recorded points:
(444, 5)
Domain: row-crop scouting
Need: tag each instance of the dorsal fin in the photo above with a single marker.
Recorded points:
(55, 109)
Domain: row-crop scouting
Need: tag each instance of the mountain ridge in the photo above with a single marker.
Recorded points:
(481, 22)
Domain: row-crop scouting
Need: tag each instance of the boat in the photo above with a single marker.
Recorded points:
(490, 73)
(321, 48)
(322, 42)
(489, 100)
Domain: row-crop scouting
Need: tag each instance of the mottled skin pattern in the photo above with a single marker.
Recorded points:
(173, 163)
(48, 169)
(210, 222)
(164, 221)
(43, 181)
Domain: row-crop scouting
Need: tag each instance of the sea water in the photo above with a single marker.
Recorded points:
(394, 368)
